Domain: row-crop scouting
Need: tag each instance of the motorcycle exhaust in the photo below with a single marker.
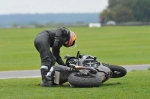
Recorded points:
(83, 67)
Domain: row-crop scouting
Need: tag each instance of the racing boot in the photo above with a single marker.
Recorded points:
(49, 75)
(45, 82)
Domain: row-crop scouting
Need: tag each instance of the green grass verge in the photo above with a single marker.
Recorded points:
(135, 85)
(115, 45)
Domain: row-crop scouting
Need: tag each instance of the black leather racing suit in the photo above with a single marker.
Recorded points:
(45, 40)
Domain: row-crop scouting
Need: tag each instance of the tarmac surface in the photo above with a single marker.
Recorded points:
(36, 73)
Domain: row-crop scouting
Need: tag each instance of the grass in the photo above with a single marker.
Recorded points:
(135, 85)
(115, 45)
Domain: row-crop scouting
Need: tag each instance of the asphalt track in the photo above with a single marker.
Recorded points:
(36, 73)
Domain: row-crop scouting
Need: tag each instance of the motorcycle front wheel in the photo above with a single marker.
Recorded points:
(117, 71)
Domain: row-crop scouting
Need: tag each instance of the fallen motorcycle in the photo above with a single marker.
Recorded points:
(85, 71)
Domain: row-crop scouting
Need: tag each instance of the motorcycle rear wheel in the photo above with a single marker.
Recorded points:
(77, 80)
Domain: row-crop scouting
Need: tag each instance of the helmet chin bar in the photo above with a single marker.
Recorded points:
(72, 46)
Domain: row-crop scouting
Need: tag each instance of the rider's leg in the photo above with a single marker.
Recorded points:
(49, 74)
(42, 45)
(45, 66)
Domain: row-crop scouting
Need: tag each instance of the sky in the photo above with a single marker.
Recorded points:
(52, 6)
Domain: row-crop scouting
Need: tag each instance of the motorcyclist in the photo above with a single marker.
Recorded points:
(55, 39)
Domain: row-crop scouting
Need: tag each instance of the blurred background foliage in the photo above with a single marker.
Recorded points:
(127, 10)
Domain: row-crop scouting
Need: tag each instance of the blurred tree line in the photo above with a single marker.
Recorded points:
(127, 10)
